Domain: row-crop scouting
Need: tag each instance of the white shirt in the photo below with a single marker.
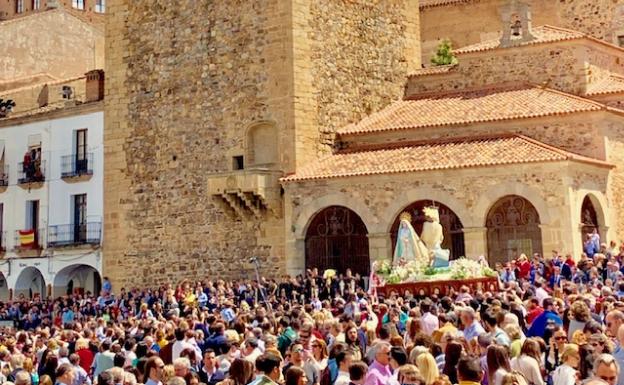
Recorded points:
(564, 375)
(178, 347)
(343, 378)
(251, 357)
(529, 367)
(541, 294)
(429, 323)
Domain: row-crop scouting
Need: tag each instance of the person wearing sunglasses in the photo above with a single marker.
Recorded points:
(154, 369)
(555, 348)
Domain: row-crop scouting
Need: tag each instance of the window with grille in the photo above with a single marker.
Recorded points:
(78, 4)
(36, 4)
(19, 6)
(100, 6)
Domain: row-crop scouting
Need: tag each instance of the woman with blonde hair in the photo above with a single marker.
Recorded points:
(515, 335)
(409, 374)
(415, 352)
(428, 368)
(565, 374)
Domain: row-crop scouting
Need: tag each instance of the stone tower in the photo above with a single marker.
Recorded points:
(208, 105)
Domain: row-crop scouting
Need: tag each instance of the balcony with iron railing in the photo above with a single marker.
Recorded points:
(29, 240)
(33, 172)
(73, 166)
(89, 233)
(4, 175)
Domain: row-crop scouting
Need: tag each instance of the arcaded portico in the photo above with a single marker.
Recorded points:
(495, 203)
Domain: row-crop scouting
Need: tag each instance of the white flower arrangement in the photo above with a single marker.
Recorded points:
(462, 268)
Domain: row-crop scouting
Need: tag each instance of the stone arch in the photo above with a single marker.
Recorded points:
(5, 292)
(262, 145)
(337, 238)
(425, 194)
(81, 278)
(489, 198)
(591, 207)
(310, 209)
(451, 224)
(30, 282)
(513, 228)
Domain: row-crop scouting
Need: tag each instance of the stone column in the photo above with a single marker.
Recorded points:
(295, 256)
(475, 242)
(379, 246)
(556, 238)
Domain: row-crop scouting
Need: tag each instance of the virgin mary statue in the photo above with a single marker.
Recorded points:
(409, 247)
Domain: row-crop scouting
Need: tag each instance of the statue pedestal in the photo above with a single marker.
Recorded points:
(440, 288)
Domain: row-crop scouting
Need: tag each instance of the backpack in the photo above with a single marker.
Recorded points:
(326, 376)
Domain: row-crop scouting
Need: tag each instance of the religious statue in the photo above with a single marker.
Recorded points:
(432, 236)
(409, 247)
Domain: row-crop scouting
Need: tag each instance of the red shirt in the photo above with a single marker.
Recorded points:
(533, 314)
(86, 359)
(525, 269)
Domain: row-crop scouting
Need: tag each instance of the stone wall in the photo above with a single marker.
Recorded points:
(614, 130)
(578, 133)
(185, 85)
(566, 66)
(361, 52)
(602, 19)
(31, 99)
(69, 47)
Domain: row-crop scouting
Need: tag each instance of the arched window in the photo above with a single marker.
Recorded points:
(451, 225)
(337, 239)
(513, 229)
(262, 146)
(590, 219)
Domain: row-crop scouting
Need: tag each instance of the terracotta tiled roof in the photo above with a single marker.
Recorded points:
(612, 84)
(465, 107)
(444, 69)
(438, 3)
(543, 34)
(440, 155)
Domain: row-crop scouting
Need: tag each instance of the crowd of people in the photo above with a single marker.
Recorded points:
(553, 321)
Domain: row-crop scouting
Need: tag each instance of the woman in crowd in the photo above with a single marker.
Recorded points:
(528, 363)
(497, 364)
(319, 354)
(452, 355)
(565, 374)
(428, 368)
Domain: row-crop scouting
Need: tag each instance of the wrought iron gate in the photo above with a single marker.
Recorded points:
(512, 229)
(337, 239)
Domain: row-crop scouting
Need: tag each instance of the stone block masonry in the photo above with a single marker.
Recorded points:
(183, 85)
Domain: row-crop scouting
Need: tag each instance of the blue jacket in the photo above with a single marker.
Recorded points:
(539, 324)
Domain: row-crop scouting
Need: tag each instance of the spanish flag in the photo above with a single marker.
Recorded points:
(27, 238)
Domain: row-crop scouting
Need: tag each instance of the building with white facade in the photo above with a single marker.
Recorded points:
(51, 186)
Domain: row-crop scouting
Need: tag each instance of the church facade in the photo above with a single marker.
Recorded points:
(303, 147)
(516, 144)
